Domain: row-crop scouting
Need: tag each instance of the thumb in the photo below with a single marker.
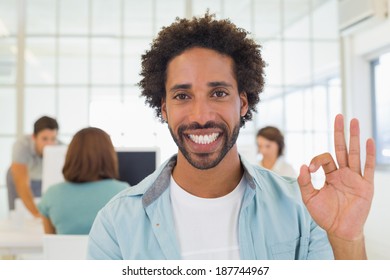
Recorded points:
(305, 184)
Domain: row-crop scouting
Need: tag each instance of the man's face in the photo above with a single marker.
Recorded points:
(203, 106)
(43, 138)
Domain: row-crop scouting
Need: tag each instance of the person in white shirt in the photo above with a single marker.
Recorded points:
(270, 144)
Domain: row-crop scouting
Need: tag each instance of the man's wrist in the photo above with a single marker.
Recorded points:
(348, 249)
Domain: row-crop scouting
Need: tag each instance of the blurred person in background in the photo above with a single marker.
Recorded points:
(270, 144)
(90, 171)
(24, 177)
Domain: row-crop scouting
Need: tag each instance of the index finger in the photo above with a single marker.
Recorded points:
(326, 161)
(339, 142)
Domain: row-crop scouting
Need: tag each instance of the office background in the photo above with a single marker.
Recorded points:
(78, 61)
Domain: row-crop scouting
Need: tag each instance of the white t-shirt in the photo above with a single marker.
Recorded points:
(207, 228)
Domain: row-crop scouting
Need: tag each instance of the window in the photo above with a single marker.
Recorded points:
(381, 101)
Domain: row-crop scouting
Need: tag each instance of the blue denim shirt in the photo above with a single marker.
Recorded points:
(273, 222)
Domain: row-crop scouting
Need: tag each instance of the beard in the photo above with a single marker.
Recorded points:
(205, 161)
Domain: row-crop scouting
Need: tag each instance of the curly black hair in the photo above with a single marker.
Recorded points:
(220, 35)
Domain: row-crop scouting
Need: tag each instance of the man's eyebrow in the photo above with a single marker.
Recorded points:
(219, 84)
(210, 84)
(180, 86)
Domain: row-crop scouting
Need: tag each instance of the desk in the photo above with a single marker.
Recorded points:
(21, 238)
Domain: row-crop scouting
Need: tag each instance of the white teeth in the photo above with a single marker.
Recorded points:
(204, 139)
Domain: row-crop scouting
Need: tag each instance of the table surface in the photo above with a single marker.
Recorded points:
(21, 236)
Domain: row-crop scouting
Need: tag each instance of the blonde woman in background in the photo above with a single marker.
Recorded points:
(270, 144)
(90, 171)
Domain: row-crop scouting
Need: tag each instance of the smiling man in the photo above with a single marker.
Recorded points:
(203, 77)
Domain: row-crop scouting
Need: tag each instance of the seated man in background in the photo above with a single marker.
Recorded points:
(25, 174)
(90, 169)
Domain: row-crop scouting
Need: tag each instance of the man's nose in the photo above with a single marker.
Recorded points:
(202, 112)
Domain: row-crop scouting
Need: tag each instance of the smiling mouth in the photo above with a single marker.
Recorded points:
(203, 139)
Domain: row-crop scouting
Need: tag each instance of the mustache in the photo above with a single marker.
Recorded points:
(195, 125)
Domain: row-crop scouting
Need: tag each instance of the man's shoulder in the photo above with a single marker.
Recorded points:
(23, 149)
(271, 184)
(24, 141)
(276, 193)
(131, 193)
(132, 196)
(140, 196)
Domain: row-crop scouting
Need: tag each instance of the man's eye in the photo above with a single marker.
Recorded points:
(219, 93)
(181, 96)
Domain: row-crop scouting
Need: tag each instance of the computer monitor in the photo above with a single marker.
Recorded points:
(53, 162)
(137, 163)
(134, 164)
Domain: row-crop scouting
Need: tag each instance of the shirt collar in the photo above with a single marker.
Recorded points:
(161, 183)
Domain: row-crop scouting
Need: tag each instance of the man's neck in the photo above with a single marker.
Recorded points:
(211, 183)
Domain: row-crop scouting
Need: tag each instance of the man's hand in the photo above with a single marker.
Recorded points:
(342, 205)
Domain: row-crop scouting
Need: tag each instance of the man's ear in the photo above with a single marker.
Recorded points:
(243, 103)
(164, 110)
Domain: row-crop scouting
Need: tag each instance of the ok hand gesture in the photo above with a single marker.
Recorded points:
(342, 205)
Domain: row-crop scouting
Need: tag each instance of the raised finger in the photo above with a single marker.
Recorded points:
(339, 141)
(354, 147)
(325, 161)
(369, 167)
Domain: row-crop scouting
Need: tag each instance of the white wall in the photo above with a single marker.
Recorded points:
(358, 50)
(3, 202)
(378, 224)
